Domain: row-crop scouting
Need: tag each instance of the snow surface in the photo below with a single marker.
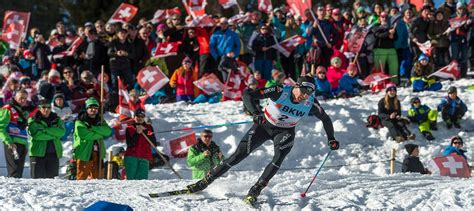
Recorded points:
(355, 176)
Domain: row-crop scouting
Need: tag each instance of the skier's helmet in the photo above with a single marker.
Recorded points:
(307, 84)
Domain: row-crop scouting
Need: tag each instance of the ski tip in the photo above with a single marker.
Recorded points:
(303, 195)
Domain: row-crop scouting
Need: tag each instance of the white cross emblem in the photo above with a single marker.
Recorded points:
(16, 19)
(452, 165)
(148, 76)
(167, 49)
(213, 86)
(293, 42)
(236, 80)
(11, 33)
(183, 145)
(262, 5)
(125, 13)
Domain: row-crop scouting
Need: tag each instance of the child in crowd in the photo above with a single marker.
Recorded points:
(424, 116)
(278, 78)
(420, 75)
(335, 73)
(182, 80)
(412, 162)
(261, 81)
(452, 108)
(323, 87)
(118, 169)
(348, 84)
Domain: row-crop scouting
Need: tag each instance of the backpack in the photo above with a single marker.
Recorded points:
(374, 121)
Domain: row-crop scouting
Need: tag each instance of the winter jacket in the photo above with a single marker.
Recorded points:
(264, 40)
(203, 39)
(328, 31)
(47, 90)
(137, 145)
(349, 85)
(141, 54)
(382, 37)
(413, 164)
(41, 52)
(420, 114)
(419, 29)
(459, 35)
(183, 81)
(13, 122)
(200, 164)
(65, 113)
(223, 42)
(420, 71)
(323, 87)
(87, 132)
(334, 75)
(384, 113)
(402, 35)
(120, 62)
(436, 33)
(452, 107)
(43, 132)
(450, 149)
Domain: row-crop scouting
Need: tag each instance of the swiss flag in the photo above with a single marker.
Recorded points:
(209, 84)
(239, 18)
(377, 81)
(151, 79)
(165, 49)
(15, 25)
(52, 43)
(356, 41)
(202, 21)
(425, 47)
(235, 85)
(120, 129)
(297, 7)
(455, 23)
(195, 8)
(124, 13)
(288, 45)
(449, 71)
(265, 6)
(123, 107)
(227, 3)
(71, 50)
(452, 165)
(179, 146)
(243, 70)
(161, 15)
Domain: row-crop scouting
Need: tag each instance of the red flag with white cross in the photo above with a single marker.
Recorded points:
(120, 129)
(288, 45)
(449, 71)
(209, 84)
(71, 50)
(123, 107)
(161, 15)
(15, 25)
(165, 49)
(124, 13)
(452, 165)
(297, 7)
(195, 8)
(179, 146)
(265, 6)
(235, 86)
(227, 3)
(151, 79)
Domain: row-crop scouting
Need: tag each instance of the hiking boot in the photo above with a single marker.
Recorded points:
(449, 125)
(250, 200)
(428, 136)
(411, 136)
(433, 126)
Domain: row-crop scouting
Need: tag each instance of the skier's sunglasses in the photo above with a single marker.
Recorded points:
(306, 90)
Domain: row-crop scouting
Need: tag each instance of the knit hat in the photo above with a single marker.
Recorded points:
(423, 57)
(454, 138)
(335, 60)
(91, 102)
(410, 148)
(58, 94)
(452, 90)
(24, 79)
(140, 112)
(53, 73)
(44, 103)
(391, 87)
(252, 81)
(414, 99)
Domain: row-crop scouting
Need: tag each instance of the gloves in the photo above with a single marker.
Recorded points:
(333, 144)
(258, 119)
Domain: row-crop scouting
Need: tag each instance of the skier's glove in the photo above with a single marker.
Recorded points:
(333, 144)
(258, 119)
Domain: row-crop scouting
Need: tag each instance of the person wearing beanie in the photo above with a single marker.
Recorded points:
(287, 105)
(390, 112)
(278, 78)
(139, 151)
(47, 90)
(424, 116)
(61, 107)
(182, 80)
(412, 162)
(335, 73)
(90, 130)
(420, 76)
(349, 85)
(323, 87)
(452, 108)
(45, 130)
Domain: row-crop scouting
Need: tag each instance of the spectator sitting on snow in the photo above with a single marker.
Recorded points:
(455, 147)
(204, 155)
(452, 108)
(335, 73)
(261, 81)
(138, 154)
(323, 87)
(348, 85)
(419, 76)
(424, 116)
(412, 163)
(278, 78)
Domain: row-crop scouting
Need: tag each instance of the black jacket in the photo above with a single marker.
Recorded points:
(413, 164)
(264, 41)
(384, 113)
(382, 39)
(120, 62)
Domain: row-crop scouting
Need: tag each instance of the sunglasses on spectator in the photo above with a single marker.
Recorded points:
(322, 73)
(458, 142)
(45, 106)
(416, 102)
(207, 136)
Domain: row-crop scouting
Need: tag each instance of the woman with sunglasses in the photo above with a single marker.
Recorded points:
(455, 147)
(287, 106)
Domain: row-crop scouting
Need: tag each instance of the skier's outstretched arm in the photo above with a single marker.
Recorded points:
(250, 97)
(319, 112)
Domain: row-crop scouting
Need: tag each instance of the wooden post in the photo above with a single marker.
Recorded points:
(110, 166)
(101, 171)
(392, 161)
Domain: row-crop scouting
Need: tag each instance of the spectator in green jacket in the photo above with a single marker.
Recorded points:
(204, 155)
(89, 134)
(278, 78)
(13, 122)
(45, 130)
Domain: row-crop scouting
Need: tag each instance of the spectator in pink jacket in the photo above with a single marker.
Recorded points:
(182, 79)
(335, 72)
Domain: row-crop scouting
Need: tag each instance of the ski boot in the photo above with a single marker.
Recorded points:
(428, 136)
(250, 200)
(251, 197)
(433, 126)
(457, 124)
(201, 184)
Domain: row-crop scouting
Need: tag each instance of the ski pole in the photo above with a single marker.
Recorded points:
(315, 175)
(204, 126)
(162, 157)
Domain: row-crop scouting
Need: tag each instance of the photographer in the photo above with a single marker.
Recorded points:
(204, 155)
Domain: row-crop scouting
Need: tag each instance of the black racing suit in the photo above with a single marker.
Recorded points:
(259, 133)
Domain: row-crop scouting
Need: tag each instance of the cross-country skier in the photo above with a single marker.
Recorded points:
(287, 106)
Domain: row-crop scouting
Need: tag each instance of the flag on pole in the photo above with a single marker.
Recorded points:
(123, 107)
(425, 47)
(164, 49)
(178, 147)
(15, 26)
(151, 79)
(449, 71)
(287, 46)
(124, 13)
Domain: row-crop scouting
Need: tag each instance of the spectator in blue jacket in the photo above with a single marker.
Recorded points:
(348, 85)
(323, 87)
(452, 108)
(224, 41)
(455, 147)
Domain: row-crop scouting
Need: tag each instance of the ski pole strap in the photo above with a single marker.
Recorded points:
(204, 126)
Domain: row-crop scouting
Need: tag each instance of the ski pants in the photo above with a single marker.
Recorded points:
(15, 167)
(389, 56)
(137, 168)
(44, 167)
(396, 128)
(283, 139)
